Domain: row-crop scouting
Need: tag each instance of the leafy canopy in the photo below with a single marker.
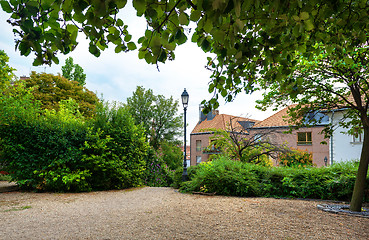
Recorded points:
(51, 89)
(157, 115)
(247, 37)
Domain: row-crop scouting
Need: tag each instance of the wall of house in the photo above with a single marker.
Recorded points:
(344, 148)
(204, 138)
(318, 150)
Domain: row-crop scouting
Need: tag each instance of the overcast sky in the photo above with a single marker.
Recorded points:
(117, 75)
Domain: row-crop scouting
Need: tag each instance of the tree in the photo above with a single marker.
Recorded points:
(158, 116)
(73, 72)
(336, 78)
(51, 89)
(6, 72)
(242, 144)
(252, 40)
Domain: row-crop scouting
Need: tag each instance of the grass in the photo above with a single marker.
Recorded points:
(5, 177)
(18, 209)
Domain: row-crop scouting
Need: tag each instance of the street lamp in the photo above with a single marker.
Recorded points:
(184, 97)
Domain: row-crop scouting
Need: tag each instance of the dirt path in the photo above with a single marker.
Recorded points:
(163, 213)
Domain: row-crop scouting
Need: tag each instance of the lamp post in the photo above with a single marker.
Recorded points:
(184, 97)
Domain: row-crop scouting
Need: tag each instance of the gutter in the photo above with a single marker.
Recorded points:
(331, 153)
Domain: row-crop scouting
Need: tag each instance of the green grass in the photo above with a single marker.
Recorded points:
(18, 209)
(5, 177)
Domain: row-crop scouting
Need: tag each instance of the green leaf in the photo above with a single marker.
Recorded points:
(163, 56)
(237, 7)
(6, 6)
(94, 50)
(208, 26)
(304, 16)
(183, 19)
(120, 3)
(128, 38)
(119, 22)
(309, 25)
(141, 54)
(148, 57)
(195, 15)
(140, 6)
(205, 45)
(131, 46)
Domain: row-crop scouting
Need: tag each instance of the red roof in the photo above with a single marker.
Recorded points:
(221, 121)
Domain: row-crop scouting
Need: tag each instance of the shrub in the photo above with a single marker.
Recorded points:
(158, 173)
(296, 158)
(228, 177)
(57, 150)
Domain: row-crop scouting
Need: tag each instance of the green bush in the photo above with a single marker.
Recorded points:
(158, 174)
(58, 151)
(234, 178)
(127, 148)
(296, 158)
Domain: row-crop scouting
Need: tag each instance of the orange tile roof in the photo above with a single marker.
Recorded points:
(220, 121)
(279, 119)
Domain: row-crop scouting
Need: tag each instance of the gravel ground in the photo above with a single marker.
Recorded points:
(163, 213)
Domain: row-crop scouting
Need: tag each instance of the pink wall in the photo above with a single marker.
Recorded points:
(318, 150)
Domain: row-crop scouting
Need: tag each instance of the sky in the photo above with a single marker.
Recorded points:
(116, 76)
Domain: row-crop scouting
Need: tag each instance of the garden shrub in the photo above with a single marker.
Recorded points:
(158, 174)
(296, 158)
(128, 146)
(48, 150)
(234, 178)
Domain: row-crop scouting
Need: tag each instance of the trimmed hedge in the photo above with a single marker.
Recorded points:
(234, 178)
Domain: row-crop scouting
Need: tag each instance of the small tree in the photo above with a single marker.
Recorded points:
(73, 72)
(240, 145)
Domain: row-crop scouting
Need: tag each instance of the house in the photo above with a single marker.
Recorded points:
(339, 147)
(188, 155)
(200, 135)
(306, 138)
(343, 146)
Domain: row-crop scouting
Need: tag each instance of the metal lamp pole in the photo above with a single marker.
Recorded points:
(184, 97)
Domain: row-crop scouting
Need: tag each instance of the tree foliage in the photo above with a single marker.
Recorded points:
(248, 37)
(51, 89)
(242, 144)
(331, 79)
(6, 72)
(157, 114)
(48, 150)
(73, 72)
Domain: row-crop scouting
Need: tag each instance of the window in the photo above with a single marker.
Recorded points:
(304, 138)
(357, 138)
(198, 159)
(258, 137)
(198, 145)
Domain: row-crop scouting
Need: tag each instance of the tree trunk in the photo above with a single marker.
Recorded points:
(359, 189)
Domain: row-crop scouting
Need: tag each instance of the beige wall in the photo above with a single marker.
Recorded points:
(319, 151)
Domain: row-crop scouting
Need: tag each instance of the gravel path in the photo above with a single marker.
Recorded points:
(163, 213)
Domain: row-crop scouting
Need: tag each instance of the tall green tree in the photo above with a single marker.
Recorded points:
(158, 116)
(50, 89)
(6, 72)
(73, 72)
(336, 78)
